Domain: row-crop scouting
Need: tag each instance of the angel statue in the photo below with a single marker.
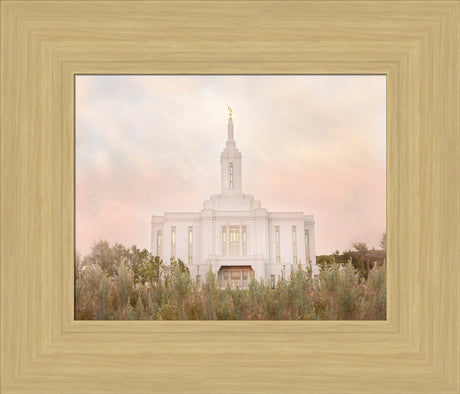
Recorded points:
(229, 110)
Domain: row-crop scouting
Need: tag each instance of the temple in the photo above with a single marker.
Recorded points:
(233, 235)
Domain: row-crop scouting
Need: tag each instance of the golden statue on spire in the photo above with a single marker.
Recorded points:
(229, 110)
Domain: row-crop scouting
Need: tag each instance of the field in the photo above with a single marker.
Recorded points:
(116, 283)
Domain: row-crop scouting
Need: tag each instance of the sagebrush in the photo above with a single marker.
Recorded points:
(116, 283)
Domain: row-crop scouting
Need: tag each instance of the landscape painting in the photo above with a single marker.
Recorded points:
(230, 197)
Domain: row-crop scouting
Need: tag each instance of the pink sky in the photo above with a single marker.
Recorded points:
(150, 144)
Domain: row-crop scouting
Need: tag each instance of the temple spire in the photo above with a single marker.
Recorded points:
(230, 161)
(230, 123)
(230, 129)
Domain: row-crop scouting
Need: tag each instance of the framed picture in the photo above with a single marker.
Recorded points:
(187, 208)
(44, 44)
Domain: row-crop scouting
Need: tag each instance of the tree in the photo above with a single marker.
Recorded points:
(360, 246)
(150, 270)
(383, 242)
(137, 259)
(210, 291)
(125, 284)
(101, 255)
(78, 264)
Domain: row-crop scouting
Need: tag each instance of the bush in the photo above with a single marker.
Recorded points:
(139, 286)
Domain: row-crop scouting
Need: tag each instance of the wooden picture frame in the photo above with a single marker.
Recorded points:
(45, 43)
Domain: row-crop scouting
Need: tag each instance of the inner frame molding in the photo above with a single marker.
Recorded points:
(69, 70)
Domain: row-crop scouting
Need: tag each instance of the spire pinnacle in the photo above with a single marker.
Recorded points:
(229, 111)
(230, 129)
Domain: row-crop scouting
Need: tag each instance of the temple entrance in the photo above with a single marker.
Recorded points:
(235, 276)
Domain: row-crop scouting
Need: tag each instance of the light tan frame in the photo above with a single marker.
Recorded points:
(44, 43)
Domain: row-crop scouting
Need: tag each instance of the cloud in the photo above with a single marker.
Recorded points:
(149, 144)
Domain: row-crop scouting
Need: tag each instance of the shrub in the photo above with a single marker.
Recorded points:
(140, 286)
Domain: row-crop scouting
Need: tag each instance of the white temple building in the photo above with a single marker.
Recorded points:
(233, 235)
